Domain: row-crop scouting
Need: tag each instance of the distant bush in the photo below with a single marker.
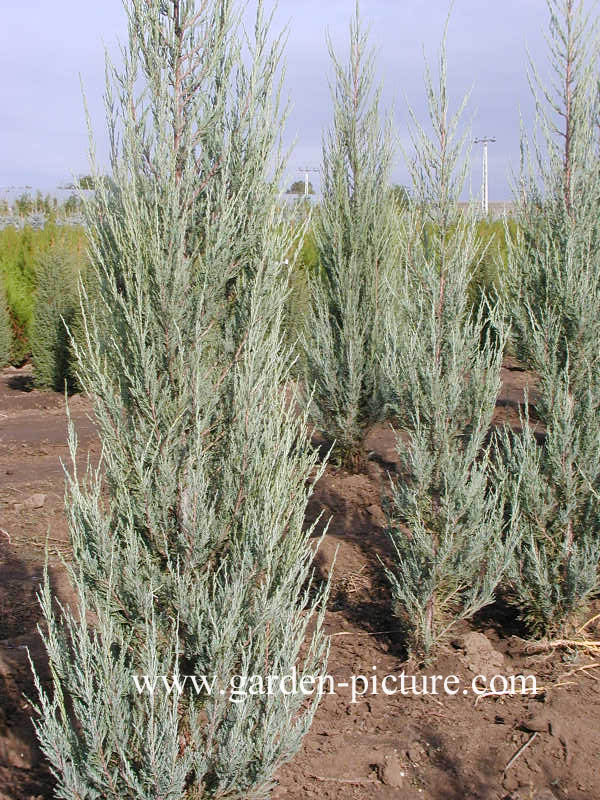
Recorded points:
(16, 264)
(55, 315)
(304, 261)
(5, 330)
(21, 252)
(488, 273)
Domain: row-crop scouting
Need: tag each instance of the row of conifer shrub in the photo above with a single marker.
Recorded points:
(189, 546)
(40, 272)
(399, 328)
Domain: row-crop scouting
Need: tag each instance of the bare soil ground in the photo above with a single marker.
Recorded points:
(433, 747)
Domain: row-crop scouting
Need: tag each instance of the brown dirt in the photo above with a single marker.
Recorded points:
(431, 747)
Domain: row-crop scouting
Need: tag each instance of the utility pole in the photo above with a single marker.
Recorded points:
(306, 170)
(484, 183)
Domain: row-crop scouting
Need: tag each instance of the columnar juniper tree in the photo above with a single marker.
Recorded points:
(55, 311)
(189, 554)
(553, 263)
(356, 243)
(555, 291)
(445, 518)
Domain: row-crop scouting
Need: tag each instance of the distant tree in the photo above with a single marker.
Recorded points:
(72, 205)
(56, 307)
(299, 187)
(400, 196)
(91, 182)
(24, 204)
(87, 182)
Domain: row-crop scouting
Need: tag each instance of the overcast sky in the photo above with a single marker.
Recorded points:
(45, 46)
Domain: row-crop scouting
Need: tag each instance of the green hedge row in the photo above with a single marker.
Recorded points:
(39, 272)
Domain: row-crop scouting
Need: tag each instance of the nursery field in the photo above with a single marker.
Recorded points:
(434, 747)
(350, 453)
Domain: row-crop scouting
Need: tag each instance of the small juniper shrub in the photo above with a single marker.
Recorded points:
(446, 514)
(56, 314)
(356, 241)
(554, 288)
